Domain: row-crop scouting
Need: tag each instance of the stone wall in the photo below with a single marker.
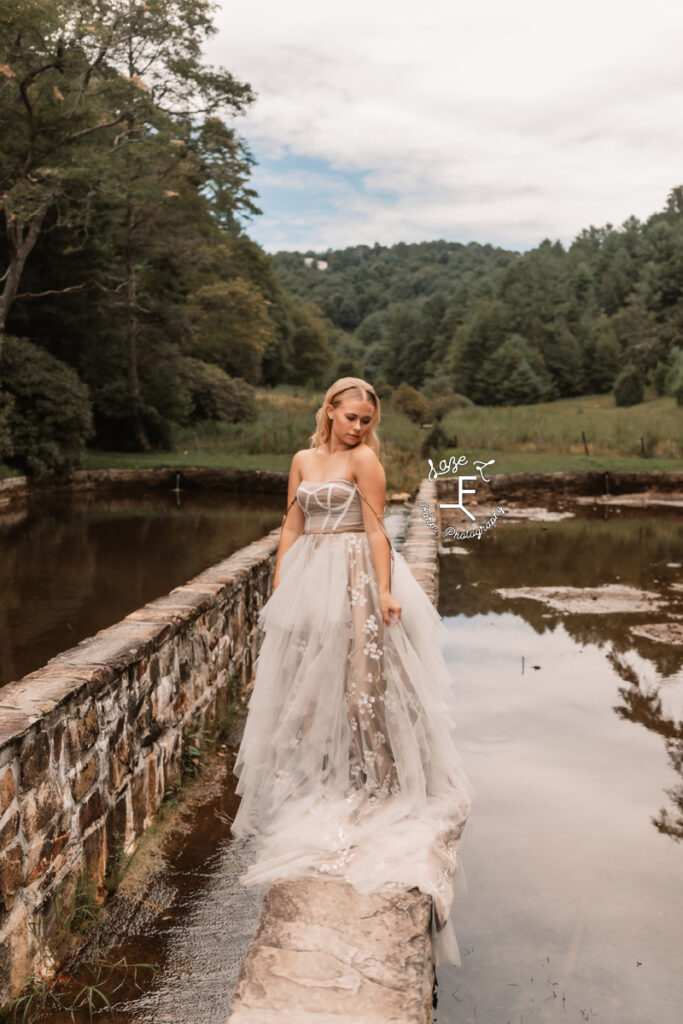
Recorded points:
(90, 742)
(537, 486)
(17, 491)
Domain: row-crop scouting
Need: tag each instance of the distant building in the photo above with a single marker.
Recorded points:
(320, 264)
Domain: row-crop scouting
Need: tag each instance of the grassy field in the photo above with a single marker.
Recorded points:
(534, 438)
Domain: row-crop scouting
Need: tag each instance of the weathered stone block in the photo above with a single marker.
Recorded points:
(120, 759)
(95, 853)
(323, 951)
(7, 789)
(154, 670)
(39, 807)
(10, 875)
(41, 854)
(91, 810)
(82, 733)
(117, 821)
(57, 738)
(9, 831)
(35, 759)
(85, 777)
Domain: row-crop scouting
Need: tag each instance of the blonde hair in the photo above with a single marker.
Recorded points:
(341, 391)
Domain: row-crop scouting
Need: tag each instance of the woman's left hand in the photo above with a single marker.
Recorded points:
(390, 608)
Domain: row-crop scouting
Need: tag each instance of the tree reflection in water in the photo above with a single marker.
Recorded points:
(645, 708)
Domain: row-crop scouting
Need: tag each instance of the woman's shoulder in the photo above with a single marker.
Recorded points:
(365, 460)
(300, 459)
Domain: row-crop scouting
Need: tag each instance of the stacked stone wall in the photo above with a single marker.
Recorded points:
(90, 743)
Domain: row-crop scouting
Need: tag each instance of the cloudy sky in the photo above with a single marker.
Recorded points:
(489, 121)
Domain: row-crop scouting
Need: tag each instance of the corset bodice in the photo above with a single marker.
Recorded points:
(333, 506)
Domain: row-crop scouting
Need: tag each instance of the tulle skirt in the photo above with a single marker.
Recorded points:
(347, 765)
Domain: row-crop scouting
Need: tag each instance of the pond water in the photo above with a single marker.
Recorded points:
(571, 727)
(71, 567)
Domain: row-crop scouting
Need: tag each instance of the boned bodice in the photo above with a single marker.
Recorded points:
(331, 506)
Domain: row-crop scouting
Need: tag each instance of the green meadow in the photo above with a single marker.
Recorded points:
(540, 438)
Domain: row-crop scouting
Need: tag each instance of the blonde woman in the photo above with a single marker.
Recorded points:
(347, 766)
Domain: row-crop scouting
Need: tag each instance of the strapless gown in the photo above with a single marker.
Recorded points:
(347, 766)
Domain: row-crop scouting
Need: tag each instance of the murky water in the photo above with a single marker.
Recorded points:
(71, 567)
(572, 730)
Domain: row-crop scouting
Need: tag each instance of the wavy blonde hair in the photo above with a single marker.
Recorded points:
(343, 389)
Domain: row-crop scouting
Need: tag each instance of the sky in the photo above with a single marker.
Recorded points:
(490, 121)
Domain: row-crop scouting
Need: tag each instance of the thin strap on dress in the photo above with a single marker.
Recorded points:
(287, 512)
(380, 520)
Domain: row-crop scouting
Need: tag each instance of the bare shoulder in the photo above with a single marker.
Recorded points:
(299, 459)
(366, 465)
(299, 464)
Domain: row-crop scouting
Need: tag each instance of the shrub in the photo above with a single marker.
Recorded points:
(628, 387)
(414, 404)
(216, 395)
(48, 416)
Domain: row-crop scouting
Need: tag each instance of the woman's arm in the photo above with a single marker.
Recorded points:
(294, 523)
(371, 480)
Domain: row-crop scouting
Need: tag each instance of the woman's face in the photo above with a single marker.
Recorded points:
(351, 420)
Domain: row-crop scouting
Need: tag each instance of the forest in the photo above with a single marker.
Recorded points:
(504, 328)
(134, 303)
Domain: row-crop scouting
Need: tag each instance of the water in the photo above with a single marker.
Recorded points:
(572, 730)
(69, 568)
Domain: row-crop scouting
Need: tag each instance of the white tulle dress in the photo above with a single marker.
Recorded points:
(347, 766)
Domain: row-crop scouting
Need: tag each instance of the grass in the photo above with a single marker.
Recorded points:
(65, 979)
(541, 438)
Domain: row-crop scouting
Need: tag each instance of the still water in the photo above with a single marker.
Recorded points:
(571, 727)
(71, 567)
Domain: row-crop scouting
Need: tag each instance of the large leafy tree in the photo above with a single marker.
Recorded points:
(92, 94)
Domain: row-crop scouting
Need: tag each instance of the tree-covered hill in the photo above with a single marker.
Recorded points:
(502, 327)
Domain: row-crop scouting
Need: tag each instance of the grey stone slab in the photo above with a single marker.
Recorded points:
(324, 952)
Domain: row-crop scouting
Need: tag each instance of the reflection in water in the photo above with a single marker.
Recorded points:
(574, 901)
(71, 567)
(645, 708)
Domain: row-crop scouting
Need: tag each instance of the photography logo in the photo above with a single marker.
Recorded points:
(452, 466)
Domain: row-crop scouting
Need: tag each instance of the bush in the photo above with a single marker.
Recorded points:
(217, 396)
(414, 404)
(48, 415)
(629, 388)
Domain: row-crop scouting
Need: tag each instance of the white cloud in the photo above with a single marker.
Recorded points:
(487, 122)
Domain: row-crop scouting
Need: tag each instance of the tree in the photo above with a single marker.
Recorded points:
(515, 374)
(607, 360)
(91, 95)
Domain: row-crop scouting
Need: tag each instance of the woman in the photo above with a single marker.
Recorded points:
(347, 765)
